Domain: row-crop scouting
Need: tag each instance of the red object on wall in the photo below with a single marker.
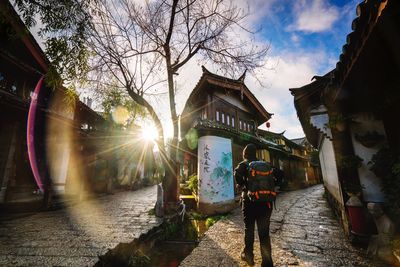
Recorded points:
(356, 213)
(268, 124)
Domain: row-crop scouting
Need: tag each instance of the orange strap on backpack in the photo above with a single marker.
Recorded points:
(254, 172)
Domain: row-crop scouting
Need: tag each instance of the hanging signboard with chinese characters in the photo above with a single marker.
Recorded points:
(215, 170)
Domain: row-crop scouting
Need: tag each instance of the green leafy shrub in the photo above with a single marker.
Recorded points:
(350, 161)
(212, 220)
(193, 183)
(139, 259)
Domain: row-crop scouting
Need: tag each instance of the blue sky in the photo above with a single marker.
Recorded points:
(313, 25)
(306, 38)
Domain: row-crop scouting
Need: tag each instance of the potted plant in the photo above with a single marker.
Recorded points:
(352, 188)
(369, 139)
(355, 209)
(386, 165)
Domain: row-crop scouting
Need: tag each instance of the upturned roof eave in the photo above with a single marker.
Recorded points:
(208, 77)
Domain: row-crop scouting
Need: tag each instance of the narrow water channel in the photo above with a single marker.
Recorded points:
(173, 250)
(166, 246)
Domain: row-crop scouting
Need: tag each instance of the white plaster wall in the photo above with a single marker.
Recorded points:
(215, 170)
(329, 171)
(233, 100)
(372, 184)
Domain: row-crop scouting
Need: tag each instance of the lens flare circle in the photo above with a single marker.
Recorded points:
(120, 115)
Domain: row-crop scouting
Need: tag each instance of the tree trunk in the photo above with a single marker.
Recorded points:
(169, 182)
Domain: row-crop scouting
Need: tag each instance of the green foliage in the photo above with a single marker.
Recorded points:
(70, 98)
(151, 212)
(386, 165)
(65, 24)
(350, 161)
(352, 188)
(139, 259)
(113, 97)
(197, 216)
(383, 161)
(193, 183)
(180, 230)
(212, 220)
(171, 230)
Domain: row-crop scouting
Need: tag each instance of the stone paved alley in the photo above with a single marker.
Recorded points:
(303, 230)
(304, 233)
(75, 236)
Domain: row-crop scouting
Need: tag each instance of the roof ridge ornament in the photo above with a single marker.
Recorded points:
(241, 78)
(205, 70)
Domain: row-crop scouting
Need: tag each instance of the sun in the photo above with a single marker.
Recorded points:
(149, 133)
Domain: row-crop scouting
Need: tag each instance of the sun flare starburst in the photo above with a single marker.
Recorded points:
(149, 133)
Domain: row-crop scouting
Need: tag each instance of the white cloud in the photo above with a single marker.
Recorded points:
(313, 16)
(285, 70)
(291, 70)
(257, 9)
(295, 39)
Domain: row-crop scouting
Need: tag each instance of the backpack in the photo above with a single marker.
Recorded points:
(260, 182)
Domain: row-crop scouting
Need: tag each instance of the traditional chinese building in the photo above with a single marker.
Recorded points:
(55, 123)
(76, 150)
(350, 114)
(220, 117)
(294, 157)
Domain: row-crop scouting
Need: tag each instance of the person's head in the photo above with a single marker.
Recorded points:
(249, 152)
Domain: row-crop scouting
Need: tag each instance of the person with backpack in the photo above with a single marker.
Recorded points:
(256, 179)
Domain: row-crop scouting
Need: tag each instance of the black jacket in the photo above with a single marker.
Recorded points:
(241, 174)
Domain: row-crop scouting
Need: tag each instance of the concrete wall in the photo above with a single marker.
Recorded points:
(372, 185)
(329, 171)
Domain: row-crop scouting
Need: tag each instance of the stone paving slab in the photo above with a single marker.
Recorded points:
(75, 236)
(303, 230)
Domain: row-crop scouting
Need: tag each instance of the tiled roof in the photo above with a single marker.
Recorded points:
(368, 13)
(299, 141)
(235, 84)
(310, 96)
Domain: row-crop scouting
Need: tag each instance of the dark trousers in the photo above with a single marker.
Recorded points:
(261, 213)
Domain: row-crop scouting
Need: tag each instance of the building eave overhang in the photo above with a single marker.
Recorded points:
(230, 84)
(307, 98)
(25, 35)
(371, 16)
